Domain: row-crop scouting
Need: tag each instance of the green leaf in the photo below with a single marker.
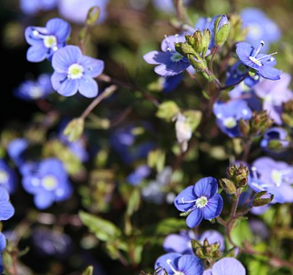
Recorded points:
(167, 110)
(256, 267)
(103, 229)
(134, 201)
(170, 225)
(241, 233)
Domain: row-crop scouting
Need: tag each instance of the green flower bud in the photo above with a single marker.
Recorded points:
(222, 29)
(228, 186)
(206, 40)
(262, 198)
(244, 127)
(74, 129)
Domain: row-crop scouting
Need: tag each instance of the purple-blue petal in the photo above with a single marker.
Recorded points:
(194, 218)
(93, 67)
(60, 28)
(207, 187)
(57, 79)
(36, 53)
(190, 265)
(228, 266)
(177, 243)
(162, 261)
(88, 87)
(185, 195)
(43, 200)
(2, 242)
(269, 72)
(68, 87)
(213, 208)
(156, 57)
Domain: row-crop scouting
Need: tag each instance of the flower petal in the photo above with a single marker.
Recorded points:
(156, 57)
(6, 211)
(2, 242)
(36, 53)
(60, 28)
(269, 72)
(162, 261)
(88, 87)
(190, 265)
(57, 79)
(207, 187)
(65, 57)
(43, 200)
(68, 87)
(228, 266)
(194, 218)
(213, 208)
(177, 243)
(93, 67)
(4, 196)
(185, 195)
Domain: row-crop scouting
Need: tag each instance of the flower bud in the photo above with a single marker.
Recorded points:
(262, 198)
(244, 127)
(228, 186)
(222, 29)
(260, 123)
(74, 129)
(206, 40)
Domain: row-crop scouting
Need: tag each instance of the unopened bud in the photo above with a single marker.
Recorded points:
(74, 129)
(262, 198)
(228, 186)
(222, 29)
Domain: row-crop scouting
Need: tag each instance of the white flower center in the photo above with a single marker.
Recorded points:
(75, 71)
(201, 202)
(176, 57)
(229, 122)
(49, 182)
(277, 177)
(3, 176)
(173, 269)
(255, 61)
(50, 41)
(36, 92)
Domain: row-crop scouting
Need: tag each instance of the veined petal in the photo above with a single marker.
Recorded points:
(4, 196)
(228, 266)
(177, 243)
(87, 87)
(30, 38)
(213, 208)
(37, 53)
(57, 79)
(156, 57)
(65, 57)
(194, 218)
(68, 87)
(190, 265)
(60, 28)
(207, 187)
(185, 195)
(269, 72)
(93, 67)
(2, 242)
(170, 257)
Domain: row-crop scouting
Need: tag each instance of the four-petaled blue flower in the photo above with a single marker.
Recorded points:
(48, 183)
(46, 41)
(6, 208)
(177, 264)
(261, 63)
(32, 90)
(75, 71)
(226, 266)
(201, 201)
(169, 61)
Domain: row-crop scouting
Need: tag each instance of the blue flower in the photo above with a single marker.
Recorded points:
(177, 264)
(201, 201)
(7, 177)
(274, 94)
(259, 26)
(261, 63)
(139, 174)
(275, 177)
(75, 71)
(228, 115)
(16, 149)
(76, 10)
(46, 41)
(226, 266)
(48, 182)
(276, 135)
(32, 90)
(181, 243)
(169, 61)
(31, 7)
(166, 6)
(6, 208)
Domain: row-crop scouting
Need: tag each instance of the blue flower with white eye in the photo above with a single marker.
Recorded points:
(31, 7)
(7, 177)
(228, 115)
(48, 182)
(201, 201)
(75, 72)
(169, 61)
(261, 63)
(226, 266)
(275, 135)
(260, 27)
(177, 264)
(45, 41)
(6, 208)
(32, 90)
